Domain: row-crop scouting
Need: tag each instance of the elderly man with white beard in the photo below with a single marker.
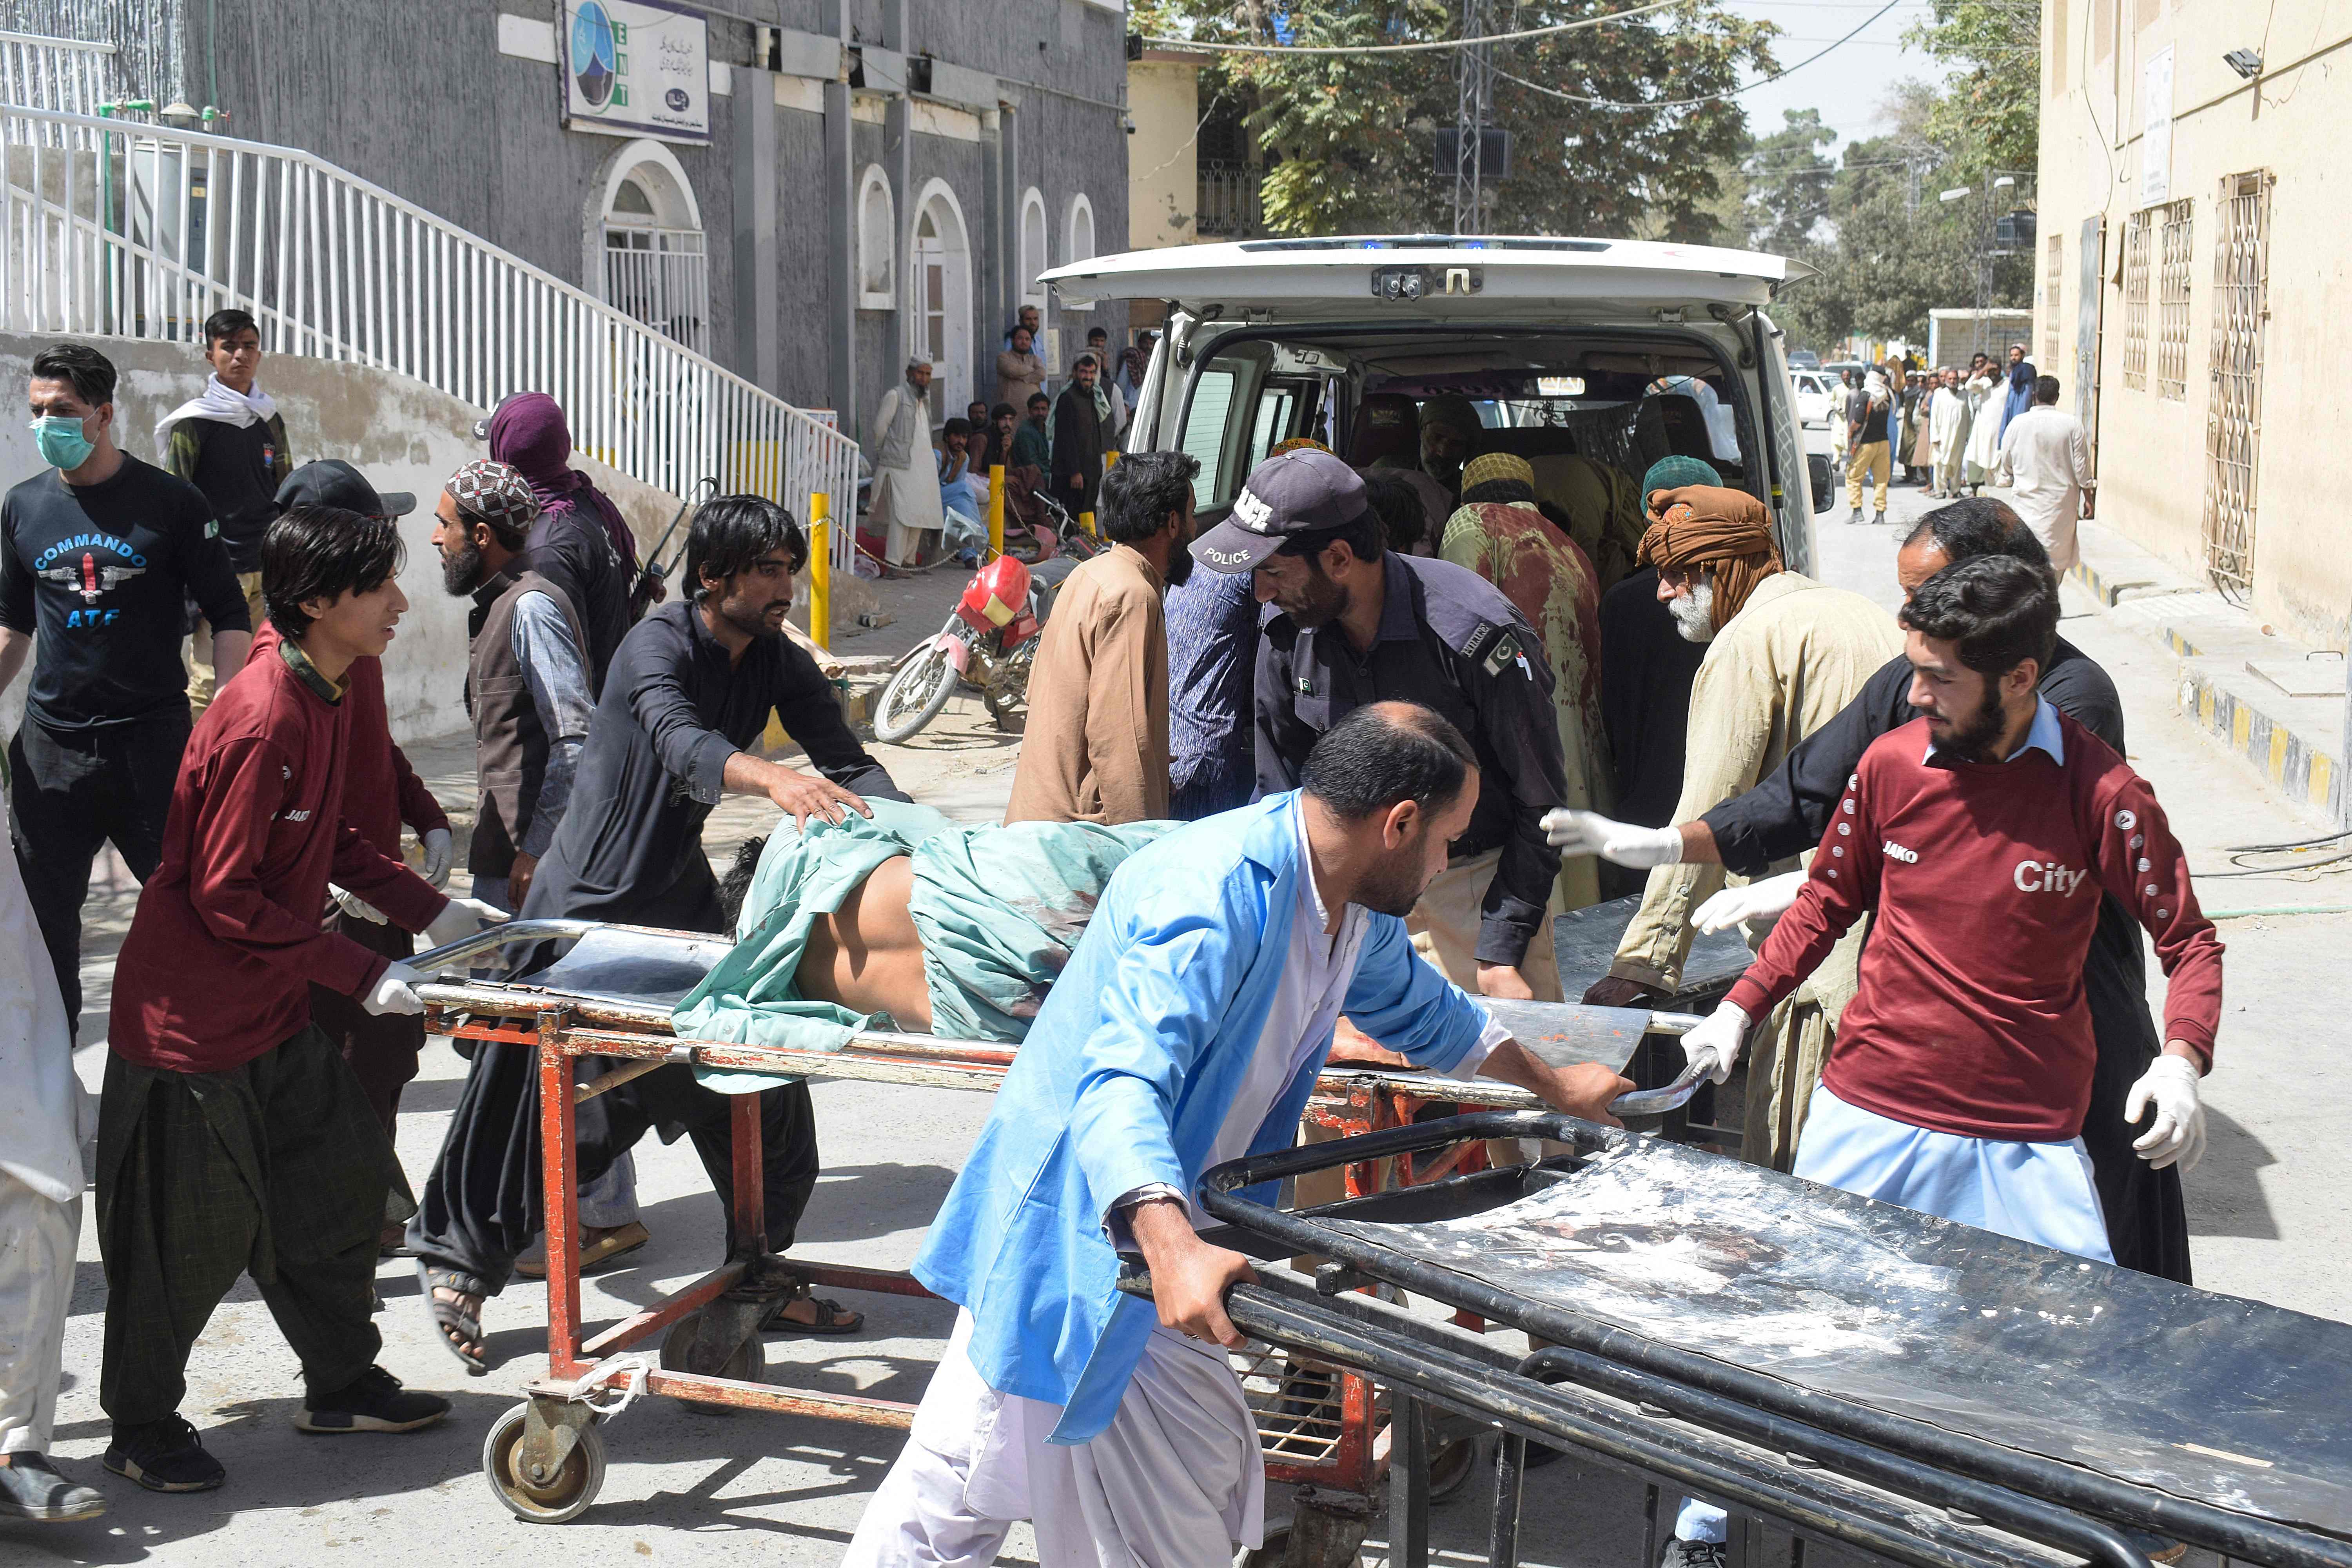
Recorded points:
(1784, 654)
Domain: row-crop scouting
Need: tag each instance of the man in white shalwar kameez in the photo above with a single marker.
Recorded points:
(40, 1213)
(2045, 460)
(1187, 1031)
(1948, 435)
(906, 500)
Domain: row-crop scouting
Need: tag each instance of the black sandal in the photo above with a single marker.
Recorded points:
(460, 1332)
(829, 1313)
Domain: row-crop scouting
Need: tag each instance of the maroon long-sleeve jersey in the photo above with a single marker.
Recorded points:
(226, 943)
(1985, 878)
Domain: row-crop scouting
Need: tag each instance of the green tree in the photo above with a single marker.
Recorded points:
(1347, 143)
(1991, 112)
(1787, 183)
(1899, 252)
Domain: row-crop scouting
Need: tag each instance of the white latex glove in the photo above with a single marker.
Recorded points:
(1757, 901)
(2177, 1136)
(396, 992)
(359, 909)
(438, 851)
(1620, 843)
(463, 918)
(1718, 1036)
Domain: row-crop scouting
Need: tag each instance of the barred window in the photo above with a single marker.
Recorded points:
(2053, 273)
(2172, 301)
(2136, 237)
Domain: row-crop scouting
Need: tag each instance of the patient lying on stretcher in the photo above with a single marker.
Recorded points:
(906, 921)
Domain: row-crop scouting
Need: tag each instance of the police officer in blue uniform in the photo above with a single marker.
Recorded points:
(1351, 623)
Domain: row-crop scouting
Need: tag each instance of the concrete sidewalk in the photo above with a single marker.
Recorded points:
(2274, 703)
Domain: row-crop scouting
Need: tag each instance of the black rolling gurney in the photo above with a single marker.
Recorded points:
(1887, 1346)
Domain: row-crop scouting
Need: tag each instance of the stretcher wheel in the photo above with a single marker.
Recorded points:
(1284, 1547)
(748, 1362)
(1451, 1468)
(559, 1501)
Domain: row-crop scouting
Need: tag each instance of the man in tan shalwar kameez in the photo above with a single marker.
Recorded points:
(1784, 654)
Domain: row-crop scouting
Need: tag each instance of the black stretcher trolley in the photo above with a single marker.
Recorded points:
(1845, 1370)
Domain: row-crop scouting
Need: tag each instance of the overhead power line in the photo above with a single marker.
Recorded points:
(1638, 105)
(1224, 49)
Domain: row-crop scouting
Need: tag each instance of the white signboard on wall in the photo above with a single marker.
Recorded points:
(636, 67)
(2155, 129)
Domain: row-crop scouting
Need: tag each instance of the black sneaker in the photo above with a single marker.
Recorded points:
(372, 1402)
(163, 1456)
(1878, 520)
(31, 1488)
(1681, 1553)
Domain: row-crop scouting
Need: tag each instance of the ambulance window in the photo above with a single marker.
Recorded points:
(1205, 434)
(1274, 409)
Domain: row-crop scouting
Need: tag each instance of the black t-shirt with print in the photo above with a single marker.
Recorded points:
(102, 574)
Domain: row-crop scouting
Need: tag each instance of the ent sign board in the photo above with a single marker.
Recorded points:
(636, 67)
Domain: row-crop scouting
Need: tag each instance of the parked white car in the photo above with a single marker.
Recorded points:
(1575, 352)
(1816, 396)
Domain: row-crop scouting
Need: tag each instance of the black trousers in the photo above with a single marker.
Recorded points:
(484, 1201)
(72, 791)
(275, 1169)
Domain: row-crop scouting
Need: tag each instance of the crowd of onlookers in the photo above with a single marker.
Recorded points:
(1050, 441)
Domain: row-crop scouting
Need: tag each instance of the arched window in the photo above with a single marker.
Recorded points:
(939, 296)
(1033, 249)
(877, 240)
(647, 233)
(1078, 232)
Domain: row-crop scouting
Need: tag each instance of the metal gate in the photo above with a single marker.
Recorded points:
(2233, 418)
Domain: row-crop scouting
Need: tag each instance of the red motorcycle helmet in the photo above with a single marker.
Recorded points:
(997, 592)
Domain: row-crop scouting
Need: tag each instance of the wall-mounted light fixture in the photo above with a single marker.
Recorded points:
(2247, 63)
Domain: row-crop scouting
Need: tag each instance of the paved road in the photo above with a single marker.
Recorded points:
(707, 1489)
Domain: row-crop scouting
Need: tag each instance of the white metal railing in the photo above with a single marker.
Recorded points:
(53, 73)
(142, 231)
(661, 277)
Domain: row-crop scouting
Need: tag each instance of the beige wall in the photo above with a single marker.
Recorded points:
(1163, 166)
(2290, 124)
(401, 434)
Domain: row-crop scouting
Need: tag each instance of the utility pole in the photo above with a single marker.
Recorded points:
(1474, 102)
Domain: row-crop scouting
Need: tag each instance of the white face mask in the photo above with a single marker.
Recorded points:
(1694, 613)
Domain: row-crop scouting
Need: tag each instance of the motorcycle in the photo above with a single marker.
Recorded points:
(989, 642)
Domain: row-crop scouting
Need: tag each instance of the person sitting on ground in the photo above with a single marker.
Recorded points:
(964, 494)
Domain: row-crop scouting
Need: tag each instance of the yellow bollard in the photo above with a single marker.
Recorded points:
(996, 509)
(820, 571)
(1086, 522)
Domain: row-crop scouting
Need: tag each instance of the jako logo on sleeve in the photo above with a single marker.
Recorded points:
(1894, 851)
